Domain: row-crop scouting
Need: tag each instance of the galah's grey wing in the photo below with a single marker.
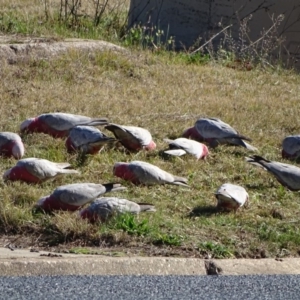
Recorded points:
(44, 169)
(288, 175)
(234, 142)
(39, 168)
(6, 137)
(212, 128)
(150, 174)
(59, 121)
(136, 135)
(3, 140)
(79, 193)
(108, 205)
(140, 134)
(64, 121)
(82, 135)
(180, 143)
(181, 146)
(217, 129)
(236, 192)
(189, 146)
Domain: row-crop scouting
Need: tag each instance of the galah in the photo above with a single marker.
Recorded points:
(215, 132)
(288, 175)
(58, 124)
(11, 145)
(140, 172)
(199, 150)
(132, 138)
(73, 196)
(37, 170)
(104, 208)
(87, 139)
(231, 196)
(291, 147)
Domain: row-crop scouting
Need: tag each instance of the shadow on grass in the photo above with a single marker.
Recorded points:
(204, 211)
(255, 186)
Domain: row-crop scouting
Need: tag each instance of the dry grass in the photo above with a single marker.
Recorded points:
(161, 92)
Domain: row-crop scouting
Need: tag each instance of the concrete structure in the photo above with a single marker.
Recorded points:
(187, 20)
(22, 262)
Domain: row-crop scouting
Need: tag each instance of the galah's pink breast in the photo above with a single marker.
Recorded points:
(51, 203)
(21, 173)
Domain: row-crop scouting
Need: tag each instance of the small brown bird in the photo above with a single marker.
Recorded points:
(212, 268)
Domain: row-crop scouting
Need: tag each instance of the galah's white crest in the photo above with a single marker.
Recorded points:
(73, 196)
(140, 172)
(215, 132)
(132, 138)
(291, 147)
(104, 208)
(87, 139)
(288, 175)
(37, 170)
(11, 145)
(198, 150)
(231, 196)
(58, 124)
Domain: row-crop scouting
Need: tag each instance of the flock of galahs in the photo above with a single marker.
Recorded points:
(81, 135)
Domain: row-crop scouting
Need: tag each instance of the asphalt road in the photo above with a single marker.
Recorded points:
(151, 287)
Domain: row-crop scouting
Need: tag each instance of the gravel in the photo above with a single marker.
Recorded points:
(151, 287)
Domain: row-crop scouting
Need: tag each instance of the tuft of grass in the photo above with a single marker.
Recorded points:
(167, 239)
(79, 250)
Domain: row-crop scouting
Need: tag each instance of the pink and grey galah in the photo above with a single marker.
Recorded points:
(36, 170)
(140, 172)
(231, 196)
(132, 138)
(291, 147)
(288, 175)
(87, 139)
(103, 209)
(216, 132)
(182, 146)
(58, 125)
(11, 145)
(72, 197)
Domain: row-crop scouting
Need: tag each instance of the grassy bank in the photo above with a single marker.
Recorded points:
(164, 92)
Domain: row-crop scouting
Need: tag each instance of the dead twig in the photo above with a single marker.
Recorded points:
(201, 47)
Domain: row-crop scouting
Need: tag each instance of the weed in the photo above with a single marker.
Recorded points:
(242, 52)
(145, 37)
(215, 250)
(167, 239)
(129, 224)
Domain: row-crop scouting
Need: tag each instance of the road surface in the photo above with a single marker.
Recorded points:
(151, 287)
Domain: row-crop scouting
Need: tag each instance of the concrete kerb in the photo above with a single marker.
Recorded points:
(25, 263)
